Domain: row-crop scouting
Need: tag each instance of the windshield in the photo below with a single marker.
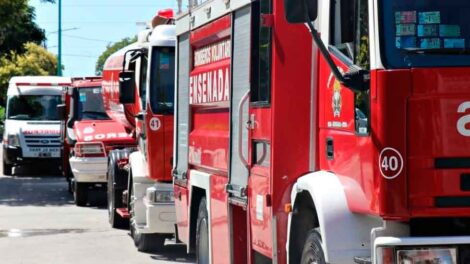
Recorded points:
(426, 33)
(90, 104)
(162, 80)
(33, 107)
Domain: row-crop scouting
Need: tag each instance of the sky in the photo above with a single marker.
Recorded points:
(89, 25)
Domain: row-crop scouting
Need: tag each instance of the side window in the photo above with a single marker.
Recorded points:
(143, 80)
(261, 55)
(350, 41)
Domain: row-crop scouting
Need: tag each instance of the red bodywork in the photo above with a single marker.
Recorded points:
(109, 132)
(415, 118)
(122, 114)
(209, 144)
(157, 144)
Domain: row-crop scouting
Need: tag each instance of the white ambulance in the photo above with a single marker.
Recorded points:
(32, 126)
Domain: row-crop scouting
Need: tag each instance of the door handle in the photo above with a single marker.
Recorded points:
(330, 150)
(240, 128)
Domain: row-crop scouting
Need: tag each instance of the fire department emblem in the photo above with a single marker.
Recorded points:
(336, 101)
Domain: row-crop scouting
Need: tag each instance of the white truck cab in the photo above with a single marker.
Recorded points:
(32, 125)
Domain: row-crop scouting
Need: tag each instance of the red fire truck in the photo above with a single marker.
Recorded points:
(147, 87)
(323, 131)
(91, 134)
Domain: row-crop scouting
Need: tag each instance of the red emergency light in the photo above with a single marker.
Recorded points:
(166, 13)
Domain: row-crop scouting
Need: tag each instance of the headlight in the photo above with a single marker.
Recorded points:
(160, 196)
(13, 140)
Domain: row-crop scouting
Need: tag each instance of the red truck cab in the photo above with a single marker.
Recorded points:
(93, 134)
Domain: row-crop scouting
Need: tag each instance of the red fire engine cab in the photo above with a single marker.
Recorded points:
(92, 134)
(317, 131)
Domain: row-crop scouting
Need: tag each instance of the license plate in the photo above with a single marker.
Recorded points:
(428, 256)
(45, 152)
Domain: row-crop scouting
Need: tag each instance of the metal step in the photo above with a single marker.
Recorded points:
(362, 260)
(123, 212)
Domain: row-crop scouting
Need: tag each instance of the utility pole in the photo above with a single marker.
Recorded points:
(59, 55)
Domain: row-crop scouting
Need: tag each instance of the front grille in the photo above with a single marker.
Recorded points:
(42, 141)
(452, 202)
(452, 163)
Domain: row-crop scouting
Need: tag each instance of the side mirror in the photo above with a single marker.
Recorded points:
(126, 87)
(62, 111)
(300, 11)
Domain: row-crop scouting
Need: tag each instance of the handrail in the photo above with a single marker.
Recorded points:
(240, 128)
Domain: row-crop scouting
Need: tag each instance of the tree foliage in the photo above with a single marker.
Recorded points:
(34, 61)
(17, 25)
(110, 49)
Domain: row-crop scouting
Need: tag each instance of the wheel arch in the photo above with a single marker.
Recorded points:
(320, 197)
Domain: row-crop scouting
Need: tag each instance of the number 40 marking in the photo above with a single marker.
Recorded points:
(390, 163)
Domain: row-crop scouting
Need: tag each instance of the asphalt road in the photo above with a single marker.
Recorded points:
(40, 224)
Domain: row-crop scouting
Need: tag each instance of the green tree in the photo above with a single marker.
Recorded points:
(17, 26)
(110, 49)
(34, 61)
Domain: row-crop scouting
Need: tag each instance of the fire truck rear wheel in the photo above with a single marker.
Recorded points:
(7, 169)
(80, 194)
(202, 234)
(313, 251)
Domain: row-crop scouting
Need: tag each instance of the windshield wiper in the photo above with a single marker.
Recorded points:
(439, 51)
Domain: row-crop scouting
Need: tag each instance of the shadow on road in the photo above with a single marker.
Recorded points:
(34, 191)
(174, 252)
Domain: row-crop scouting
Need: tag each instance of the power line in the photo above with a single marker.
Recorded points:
(81, 56)
(85, 38)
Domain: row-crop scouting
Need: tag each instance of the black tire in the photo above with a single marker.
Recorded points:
(69, 186)
(149, 242)
(143, 242)
(313, 251)
(202, 234)
(69, 177)
(7, 169)
(80, 194)
(114, 194)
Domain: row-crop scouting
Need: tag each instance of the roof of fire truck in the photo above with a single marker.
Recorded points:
(37, 84)
(86, 81)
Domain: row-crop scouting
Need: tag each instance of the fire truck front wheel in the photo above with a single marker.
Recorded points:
(7, 169)
(313, 251)
(80, 194)
(149, 242)
(202, 234)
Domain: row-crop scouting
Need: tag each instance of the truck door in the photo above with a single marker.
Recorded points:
(159, 112)
(346, 114)
(140, 104)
